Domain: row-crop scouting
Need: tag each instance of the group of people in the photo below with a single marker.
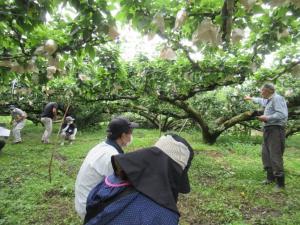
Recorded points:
(68, 129)
(142, 187)
(67, 132)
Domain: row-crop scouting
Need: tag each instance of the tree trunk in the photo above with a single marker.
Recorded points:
(209, 138)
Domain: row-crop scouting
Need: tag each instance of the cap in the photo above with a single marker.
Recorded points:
(69, 118)
(120, 125)
(12, 107)
(179, 150)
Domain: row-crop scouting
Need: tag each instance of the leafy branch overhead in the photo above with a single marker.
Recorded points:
(210, 54)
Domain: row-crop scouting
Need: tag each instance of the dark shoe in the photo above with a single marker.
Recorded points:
(270, 178)
(280, 181)
(17, 142)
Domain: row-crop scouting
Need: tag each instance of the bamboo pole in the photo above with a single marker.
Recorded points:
(55, 147)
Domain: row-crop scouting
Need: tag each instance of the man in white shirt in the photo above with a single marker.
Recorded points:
(97, 163)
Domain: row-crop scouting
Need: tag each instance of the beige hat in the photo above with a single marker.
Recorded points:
(177, 151)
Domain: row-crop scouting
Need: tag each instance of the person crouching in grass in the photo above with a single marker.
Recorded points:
(68, 130)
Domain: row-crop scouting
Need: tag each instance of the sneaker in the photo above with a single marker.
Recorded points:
(267, 182)
(17, 142)
(278, 188)
(62, 144)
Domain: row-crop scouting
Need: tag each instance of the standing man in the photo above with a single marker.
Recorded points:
(97, 163)
(274, 118)
(18, 118)
(49, 114)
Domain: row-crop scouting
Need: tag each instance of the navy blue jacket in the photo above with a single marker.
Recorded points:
(131, 209)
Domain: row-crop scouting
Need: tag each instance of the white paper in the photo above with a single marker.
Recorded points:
(4, 132)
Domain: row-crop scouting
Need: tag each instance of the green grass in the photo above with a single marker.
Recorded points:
(225, 180)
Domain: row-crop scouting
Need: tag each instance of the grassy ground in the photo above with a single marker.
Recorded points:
(225, 181)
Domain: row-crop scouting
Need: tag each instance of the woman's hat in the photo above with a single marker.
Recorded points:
(69, 118)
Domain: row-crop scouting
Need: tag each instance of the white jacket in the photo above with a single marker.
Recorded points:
(95, 166)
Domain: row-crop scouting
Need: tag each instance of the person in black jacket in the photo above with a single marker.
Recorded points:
(68, 130)
(48, 115)
(4, 134)
(2, 144)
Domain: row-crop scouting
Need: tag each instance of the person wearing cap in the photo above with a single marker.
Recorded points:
(97, 163)
(18, 119)
(48, 115)
(274, 120)
(145, 186)
(68, 130)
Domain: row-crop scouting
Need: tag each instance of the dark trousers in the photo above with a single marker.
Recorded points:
(273, 148)
(2, 143)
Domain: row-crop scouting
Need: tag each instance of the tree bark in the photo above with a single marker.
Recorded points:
(207, 136)
(227, 14)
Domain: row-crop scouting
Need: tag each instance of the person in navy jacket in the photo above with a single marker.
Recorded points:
(144, 187)
(68, 130)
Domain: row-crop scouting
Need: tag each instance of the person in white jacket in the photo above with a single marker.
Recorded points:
(97, 163)
(68, 130)
(18, 120)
